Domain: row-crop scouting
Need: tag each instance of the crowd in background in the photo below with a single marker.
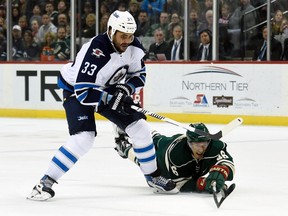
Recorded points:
(41, 28)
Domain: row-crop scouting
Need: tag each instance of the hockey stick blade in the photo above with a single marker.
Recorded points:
(224, 193)
(229, 127)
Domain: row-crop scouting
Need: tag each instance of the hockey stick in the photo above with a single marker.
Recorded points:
(224, 193)
(230, 126)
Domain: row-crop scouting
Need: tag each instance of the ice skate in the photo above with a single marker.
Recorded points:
(161, 185)
(122, 145)
(43, 191)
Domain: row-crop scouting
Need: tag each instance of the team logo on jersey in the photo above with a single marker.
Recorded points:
(118, 75)
(97, 52)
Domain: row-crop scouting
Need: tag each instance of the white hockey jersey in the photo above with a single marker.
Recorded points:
(98, 68)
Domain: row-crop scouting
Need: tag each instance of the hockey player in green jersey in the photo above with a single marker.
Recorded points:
(192, 161)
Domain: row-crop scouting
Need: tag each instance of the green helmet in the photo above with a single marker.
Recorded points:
(194, 137)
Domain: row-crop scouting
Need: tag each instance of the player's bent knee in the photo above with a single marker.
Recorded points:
(139, 132)
(81, 143)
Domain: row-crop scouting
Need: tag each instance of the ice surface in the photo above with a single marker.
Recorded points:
(102, 183)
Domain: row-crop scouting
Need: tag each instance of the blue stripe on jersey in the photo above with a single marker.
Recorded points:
(82, 96)
(141, 150)
(64, 85)
(68, 154)
(80, 86)
(60, 164)
(144, 160)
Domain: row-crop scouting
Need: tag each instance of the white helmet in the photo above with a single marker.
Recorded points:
(121, 21)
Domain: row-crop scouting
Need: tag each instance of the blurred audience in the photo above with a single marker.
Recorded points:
(204, 52)
(90, 30)
(153, 8)
(31, 50)
(159, 50)
(237, 19)
(143, 24)
(260, 52)
(62, 45)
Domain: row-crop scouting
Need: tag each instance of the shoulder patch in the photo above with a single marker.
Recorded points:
(98, 53)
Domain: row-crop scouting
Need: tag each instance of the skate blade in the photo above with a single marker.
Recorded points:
(36, 196)
(160, 191)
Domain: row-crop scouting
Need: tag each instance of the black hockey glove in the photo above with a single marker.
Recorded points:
(121, 101)
(218, 174)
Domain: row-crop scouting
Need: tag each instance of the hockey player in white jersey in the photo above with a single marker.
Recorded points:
(106, 71)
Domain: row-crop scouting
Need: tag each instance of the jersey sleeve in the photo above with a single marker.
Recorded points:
(225, 159)
(137, 79)
(136, 76)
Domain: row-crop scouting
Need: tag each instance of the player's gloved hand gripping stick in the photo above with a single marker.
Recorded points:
(229, 127)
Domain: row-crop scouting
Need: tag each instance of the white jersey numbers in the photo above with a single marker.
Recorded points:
(222, 155)
(89, 68)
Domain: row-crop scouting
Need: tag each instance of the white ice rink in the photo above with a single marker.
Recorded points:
(102, 183)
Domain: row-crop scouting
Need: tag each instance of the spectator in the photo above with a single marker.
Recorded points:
(17, 45)
(225, 15)
(42, 5)
(52, 13)
(242, 21)
(3, 45)
(175, 20)
(62, 45)
(205, 50)
(208, 5)
(194, 24)
(122, 6)
(284, 33)
(154, 8)
(163, 24)
(194, 5)
(278, 22)
(3, 27)
(23, 23)
(47, 53)
(160, 49)
(261, 48)
(15, 15)
(26, 8)
(47, 26)
(36, 15)
(104, 8)
(134, 8)
(173, 6)
(89, 31)
(143, 24)
(31, 50)
(62, 7)
(35, 29)
(87, 9)
(62, 19)
(2, 11)
(176, 45)
(103, 22)
(208, 22)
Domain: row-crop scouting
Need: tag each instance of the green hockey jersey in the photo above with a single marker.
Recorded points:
(175, 159)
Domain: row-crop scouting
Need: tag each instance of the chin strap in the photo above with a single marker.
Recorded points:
(113, 46)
